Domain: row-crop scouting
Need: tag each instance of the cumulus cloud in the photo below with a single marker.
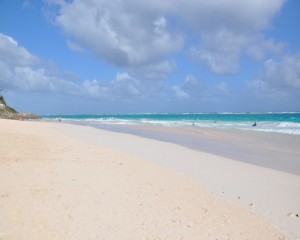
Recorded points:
(193, 88)
(229, 29)
(135, 83)
(74, 47)
(94, 89)
(19, 69)
(241, 16)
(221, 51)
(279, 78)
(143, 38)
(130, 33)
(123, 86)
(284, 73)
(123, 33)
(12, 53)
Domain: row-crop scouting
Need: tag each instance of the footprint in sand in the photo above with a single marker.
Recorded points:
(293, 215)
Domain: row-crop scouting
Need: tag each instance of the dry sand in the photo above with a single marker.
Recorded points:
(62, 181)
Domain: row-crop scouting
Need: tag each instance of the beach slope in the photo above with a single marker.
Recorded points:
(58, 186)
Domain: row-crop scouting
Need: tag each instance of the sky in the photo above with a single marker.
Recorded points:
(133, 56)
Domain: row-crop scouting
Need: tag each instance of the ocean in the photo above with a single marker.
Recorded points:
(283, 122)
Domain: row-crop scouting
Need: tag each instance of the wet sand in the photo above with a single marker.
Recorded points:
(272, 150)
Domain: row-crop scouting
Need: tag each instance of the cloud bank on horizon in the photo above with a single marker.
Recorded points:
(167, 56)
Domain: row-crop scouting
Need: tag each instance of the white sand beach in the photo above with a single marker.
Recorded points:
(61, 181)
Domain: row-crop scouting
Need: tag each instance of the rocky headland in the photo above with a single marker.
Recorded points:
(8, 112)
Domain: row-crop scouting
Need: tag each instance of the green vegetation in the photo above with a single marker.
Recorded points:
(8, 112)
(6, 108)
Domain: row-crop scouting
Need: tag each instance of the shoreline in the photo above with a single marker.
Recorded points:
(69, 149)
(251, 147)
(287, 123)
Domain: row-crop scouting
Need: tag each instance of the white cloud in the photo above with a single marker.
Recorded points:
(122, 87)
(280, 78)
(284, 73)
(179, 92)
(258, 47)
(74, 46)
(118, 31)
(19, 69)
(221, 51)
(130, 33)
(126, 86)
(154, 72)
(136, 83)
(12, 53)
(94, 89)
(229, 29)
(143, 37)
(236, 15)
(195, 89)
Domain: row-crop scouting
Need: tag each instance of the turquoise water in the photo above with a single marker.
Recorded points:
(288, 123)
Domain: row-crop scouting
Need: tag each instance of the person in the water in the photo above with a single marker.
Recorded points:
(254, 124)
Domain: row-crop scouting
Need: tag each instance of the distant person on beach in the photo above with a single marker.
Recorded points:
(254, 124)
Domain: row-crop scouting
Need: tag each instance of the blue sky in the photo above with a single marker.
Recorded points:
(116, 56)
